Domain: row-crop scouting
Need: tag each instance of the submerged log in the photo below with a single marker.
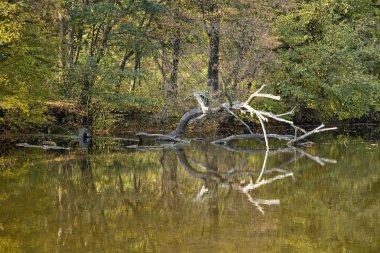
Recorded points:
(160, 138)
(46, 147)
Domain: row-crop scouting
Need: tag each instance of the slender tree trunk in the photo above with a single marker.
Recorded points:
(128, 54)
(236, 67)
(213, 62)
(79, 46)
(103, 45)
(136, 70)
(70, 58)
(85, 102)
(175, 63)
(63, 44)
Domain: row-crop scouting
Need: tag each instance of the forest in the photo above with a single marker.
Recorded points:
(110, 64)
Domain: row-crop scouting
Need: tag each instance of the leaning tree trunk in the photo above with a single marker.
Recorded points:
(184, 121)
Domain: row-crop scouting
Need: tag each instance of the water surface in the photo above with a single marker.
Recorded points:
(195, 198)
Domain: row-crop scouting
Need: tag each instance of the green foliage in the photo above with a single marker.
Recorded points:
(9, 23)
(27, 58)
(105, 56)
(330, 58)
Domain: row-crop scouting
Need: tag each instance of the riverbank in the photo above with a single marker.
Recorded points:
(65, 119)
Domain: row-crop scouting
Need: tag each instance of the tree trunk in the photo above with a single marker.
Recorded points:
(71, 48)
(128, 54)
(213, 63)
(175, 63)
(236, 67)
(79, 46)
(63, 44)
(184, 121)
(136, 70)
(85, 102)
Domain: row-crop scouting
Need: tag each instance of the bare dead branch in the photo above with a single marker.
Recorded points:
(228, 139)
(200, 101)
(239, 119)
(258, 94)
(316, 130)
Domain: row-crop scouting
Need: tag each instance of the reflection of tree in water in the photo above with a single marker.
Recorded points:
(101, 192)
(81, 201)
(130, 202)
(169, 183)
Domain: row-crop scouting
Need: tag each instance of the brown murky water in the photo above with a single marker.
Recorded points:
(195, 198)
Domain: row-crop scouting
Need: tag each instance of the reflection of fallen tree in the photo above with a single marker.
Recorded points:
(233, 179)
(243, 181)
(230, 180)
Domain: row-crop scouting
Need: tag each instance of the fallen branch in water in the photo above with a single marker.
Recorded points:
(227, 140)
(46, 147)
(316, 130)
(161, 137)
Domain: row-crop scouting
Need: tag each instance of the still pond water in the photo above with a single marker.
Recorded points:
(194, 198)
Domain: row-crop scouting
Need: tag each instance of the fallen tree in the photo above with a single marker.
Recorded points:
(204, 110)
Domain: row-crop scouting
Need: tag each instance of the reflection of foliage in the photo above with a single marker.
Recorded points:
(136, 201)
(9, 245)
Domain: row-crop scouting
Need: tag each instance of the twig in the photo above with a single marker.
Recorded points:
(238, 118)
(316, 130)
(258, 94)
(287, 113)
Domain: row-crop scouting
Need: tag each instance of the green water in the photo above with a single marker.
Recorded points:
(191, 199)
